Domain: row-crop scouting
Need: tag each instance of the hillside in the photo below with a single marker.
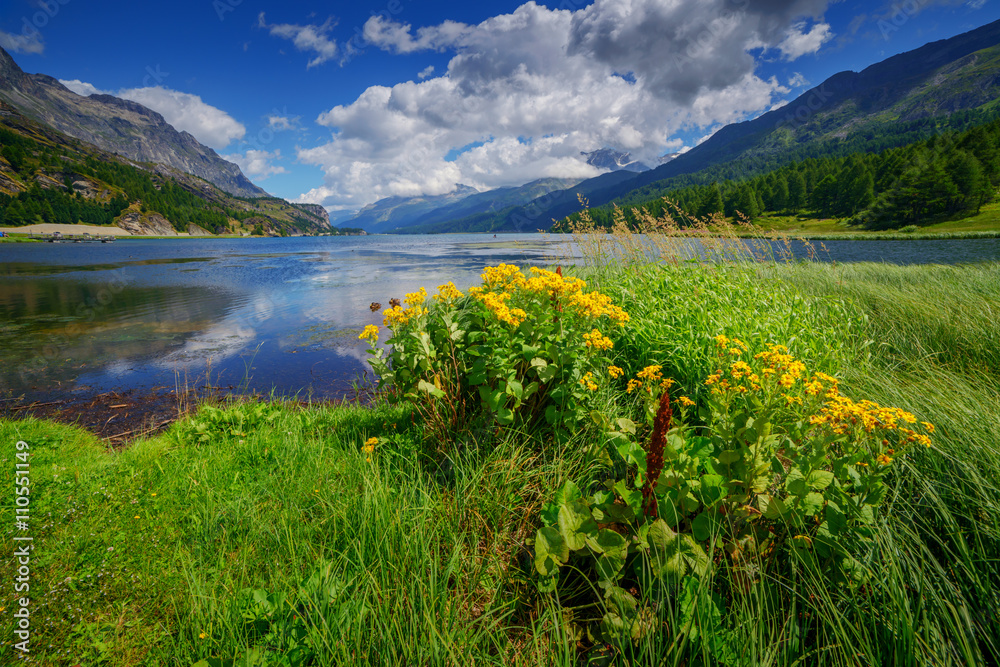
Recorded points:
(117, 126)
(47, 176)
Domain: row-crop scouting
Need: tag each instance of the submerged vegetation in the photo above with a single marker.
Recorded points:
(660, 457)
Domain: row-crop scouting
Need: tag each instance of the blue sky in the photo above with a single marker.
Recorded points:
(345, 103)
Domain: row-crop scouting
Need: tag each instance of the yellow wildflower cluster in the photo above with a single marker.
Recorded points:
(415, 298)
(447, 292)
(397, 315)
(370, 333)
(499, 276)
(369, 447)
(685, 401)
(595, 304)
(588, 382)
(647, 378)
(782, 373)
(615, 371)
(842, 415)
(497, 304)
(506, 282)
(597, 340)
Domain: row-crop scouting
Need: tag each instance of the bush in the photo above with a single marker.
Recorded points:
(521, 351)
(785, 477)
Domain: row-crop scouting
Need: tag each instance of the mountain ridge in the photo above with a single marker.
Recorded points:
(118, 126)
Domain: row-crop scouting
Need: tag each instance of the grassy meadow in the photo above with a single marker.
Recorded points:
(270, 534)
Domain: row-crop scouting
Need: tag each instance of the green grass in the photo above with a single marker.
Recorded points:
(254, 532)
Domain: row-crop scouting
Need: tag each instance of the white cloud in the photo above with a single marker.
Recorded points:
(426, 72)
(307, 38)
(82, 87)
(22, 43)
(797, 80)
(258, 164)
(280, 123)
(209, 125)
(799, 41)
(533, 88)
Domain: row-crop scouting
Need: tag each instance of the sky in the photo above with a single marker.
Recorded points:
(346, 103)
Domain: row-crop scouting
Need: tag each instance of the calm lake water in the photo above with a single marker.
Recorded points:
(258, 314)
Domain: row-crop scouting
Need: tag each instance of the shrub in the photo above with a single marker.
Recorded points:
(519, 350)
(786, 476)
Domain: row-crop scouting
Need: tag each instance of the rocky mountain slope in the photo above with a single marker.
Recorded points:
(117, 126)
(48, 176)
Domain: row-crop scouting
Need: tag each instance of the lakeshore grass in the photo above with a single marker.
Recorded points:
(262, 534)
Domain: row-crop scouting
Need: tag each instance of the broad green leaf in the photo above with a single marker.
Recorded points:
(551, 551)
(729, 457)
(576, 523)
(429, 388)
(819, 479)
(812, 503)
(795, 483)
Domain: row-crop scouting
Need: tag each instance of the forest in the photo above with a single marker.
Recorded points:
(950, 174)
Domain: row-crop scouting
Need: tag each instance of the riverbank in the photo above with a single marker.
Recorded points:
(272, 529)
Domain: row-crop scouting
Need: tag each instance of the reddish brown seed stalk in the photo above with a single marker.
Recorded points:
(654, 456)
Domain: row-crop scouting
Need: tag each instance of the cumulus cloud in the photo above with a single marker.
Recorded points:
(82, 87)
(426, 72)
(258, 164)
(800, 41)
(527, 91)
(186, 112)
(307, 38)
(22, 43)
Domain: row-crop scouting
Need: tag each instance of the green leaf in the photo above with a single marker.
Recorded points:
(819, 479)
(505, 415)
(713, 489)
(576, 523)
(551, 551)
(545, 373)
(703, 527)
(429, 388)
(812, 503)
(675, 554)
(626, 425)
(835, 519)
(772, 507)
(729, 457)
(613, 551)
(795, 483)
(515, 389)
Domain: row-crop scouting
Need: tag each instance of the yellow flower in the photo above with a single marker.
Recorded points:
(597, 340)
(415, 298)
(721, 341)
(370, 333)
(651, 373)
(633, 385)
(685, 401)
(588, 382)
(786, 380)
(448, 291)
(615, 372)
(883, 459)
(202, 635)
(929, 427)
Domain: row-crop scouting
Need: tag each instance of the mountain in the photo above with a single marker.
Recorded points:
(906, 98)
(457, 216)
(386, 215)
(48, 176)
(613, 160)
(117, 126)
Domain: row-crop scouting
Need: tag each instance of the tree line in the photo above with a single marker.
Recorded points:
(953, 173)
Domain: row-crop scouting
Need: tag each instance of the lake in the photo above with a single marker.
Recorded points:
(263, 315)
